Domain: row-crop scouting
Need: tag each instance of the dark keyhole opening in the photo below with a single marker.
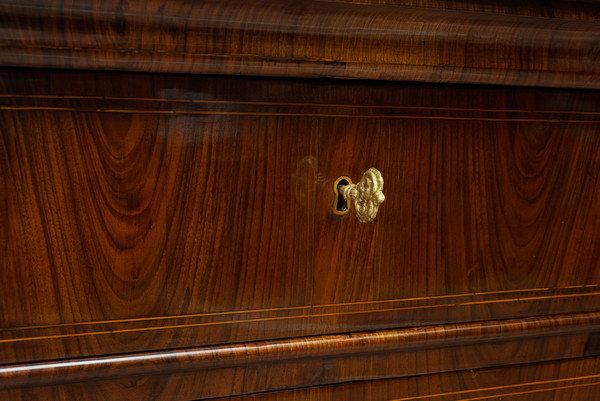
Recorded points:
(341, 204)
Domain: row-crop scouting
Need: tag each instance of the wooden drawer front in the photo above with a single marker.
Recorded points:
(149, 212)
(556, 381)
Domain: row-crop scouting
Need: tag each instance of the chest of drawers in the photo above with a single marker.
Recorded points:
(169, 231)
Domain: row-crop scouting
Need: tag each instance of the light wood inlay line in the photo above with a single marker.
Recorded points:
(355, 106)
(511, 386)
(529, 392)
(527, 299)
(185, 326)
(228, 113)
(12, 340)
(364, 303)
(238, 354)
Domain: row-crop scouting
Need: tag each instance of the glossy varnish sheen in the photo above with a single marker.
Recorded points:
(576, 10)
(555, 381)
(488, 43)
(317, 360)
(171, 237)
(148, 212)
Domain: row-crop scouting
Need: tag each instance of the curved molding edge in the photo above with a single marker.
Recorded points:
(302, 39)
(325, 346)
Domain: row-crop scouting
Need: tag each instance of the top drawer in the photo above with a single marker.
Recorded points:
(145, 212)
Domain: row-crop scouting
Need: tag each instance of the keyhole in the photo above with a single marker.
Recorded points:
(340, 205)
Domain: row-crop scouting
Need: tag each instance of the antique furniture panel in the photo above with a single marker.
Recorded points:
(168, 234)
(162, 212)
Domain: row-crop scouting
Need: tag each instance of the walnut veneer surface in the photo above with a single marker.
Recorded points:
(171, 237)
(529, 43)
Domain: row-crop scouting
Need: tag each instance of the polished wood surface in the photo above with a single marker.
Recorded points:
(556, 381)
(572, 379)
(311, 361)
(571, 9)
(512, 334)
(171, 237)
(151, 212)
(485, 44)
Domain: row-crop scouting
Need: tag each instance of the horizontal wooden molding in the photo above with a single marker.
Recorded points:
(302, 39)
(202, 329)
(213, 357)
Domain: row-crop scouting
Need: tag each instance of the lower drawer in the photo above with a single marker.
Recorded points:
(555, 381)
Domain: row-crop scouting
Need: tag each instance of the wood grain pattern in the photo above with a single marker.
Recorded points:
(576, 379)
(108, 337)
(467, 202)
(319, 360)
(121, 231)
(555, 381)
(576, 10)
(306, 39)
(170, 237)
